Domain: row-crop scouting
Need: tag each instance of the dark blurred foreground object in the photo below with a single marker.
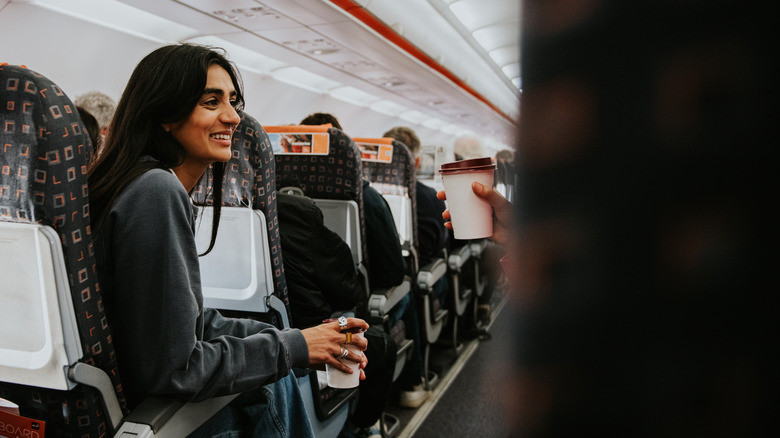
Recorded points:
(646, 240)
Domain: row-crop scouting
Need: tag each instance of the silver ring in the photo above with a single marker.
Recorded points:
(344, 352)
(342, 322)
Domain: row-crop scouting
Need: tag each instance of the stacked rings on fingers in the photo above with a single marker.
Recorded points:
(344, 352)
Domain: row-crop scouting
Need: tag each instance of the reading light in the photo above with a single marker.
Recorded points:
(318, 52)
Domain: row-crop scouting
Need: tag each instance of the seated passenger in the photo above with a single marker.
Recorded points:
(175, 118)
(93, 131)
(322, 279)
(432, 235)
(100, 105)
(386, 268)
(318, 267)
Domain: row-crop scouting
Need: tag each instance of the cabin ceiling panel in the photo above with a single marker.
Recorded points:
(316, 36)
(182, 13)
(245, 14)
(308, 12)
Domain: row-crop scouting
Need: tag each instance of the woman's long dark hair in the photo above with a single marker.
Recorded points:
(164, 88)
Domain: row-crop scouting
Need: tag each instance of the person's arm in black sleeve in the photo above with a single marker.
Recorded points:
(385, 259)
(431, 232)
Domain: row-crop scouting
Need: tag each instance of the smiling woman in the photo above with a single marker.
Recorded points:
(159, 96)
(207, 132)
(175, 119)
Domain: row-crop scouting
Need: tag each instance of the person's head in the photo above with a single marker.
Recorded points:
(168, 111)
(205, 134)
(163, 91)
(100, 105)
(321, 119)
(468, 147)
(93, 129)
(505, 155)
(406, 136)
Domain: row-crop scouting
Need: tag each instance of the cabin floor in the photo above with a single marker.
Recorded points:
(466, 401)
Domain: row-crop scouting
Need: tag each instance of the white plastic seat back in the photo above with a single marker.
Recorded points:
(343, 218)
(37, 343)
(401, 207)
(236, 274)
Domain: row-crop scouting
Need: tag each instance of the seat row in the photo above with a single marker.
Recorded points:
(58, 363)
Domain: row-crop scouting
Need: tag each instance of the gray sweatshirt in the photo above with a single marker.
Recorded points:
(166, 342)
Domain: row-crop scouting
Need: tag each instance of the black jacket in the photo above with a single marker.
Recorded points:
(386, 267)
(321, 276)
(431, 233)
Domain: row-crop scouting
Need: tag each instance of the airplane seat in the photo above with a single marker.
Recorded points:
(332, 176)
(57, 360)
(389, 166)
(58, 363)
(244, 277)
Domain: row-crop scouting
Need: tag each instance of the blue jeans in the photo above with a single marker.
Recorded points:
(274, 410)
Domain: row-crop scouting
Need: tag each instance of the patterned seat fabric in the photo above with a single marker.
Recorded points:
(250, 181)
(43, 179)
(337, 175)
(395, 178)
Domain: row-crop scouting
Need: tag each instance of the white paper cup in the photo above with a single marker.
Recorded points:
(471, 217)
(340, 379)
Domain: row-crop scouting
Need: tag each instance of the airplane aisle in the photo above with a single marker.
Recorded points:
(467, 402)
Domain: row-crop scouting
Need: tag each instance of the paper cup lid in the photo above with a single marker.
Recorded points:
(472, 164)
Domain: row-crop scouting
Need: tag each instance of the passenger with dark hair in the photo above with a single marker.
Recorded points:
(432, 238)
(93, 130)
(387, 268)
(175, 118)
(322, 280)
(431, 233)
(321, 119)
(318, 267)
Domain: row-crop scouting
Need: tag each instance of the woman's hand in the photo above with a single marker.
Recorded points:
(502, 211)
(325, 345)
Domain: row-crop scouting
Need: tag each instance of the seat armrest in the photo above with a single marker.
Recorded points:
(170, 417)
(478, 246)
(276, 304)
(89, 375)
(458, 257)
(430, 274)
(155, 411)
(382, 300)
